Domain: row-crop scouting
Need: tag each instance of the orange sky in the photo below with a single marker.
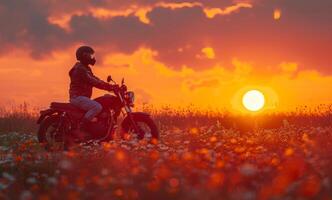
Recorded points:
(203, 52)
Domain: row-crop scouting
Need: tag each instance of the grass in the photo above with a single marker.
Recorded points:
(201, 155)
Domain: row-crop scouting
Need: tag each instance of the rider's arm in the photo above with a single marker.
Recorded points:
(96, 82)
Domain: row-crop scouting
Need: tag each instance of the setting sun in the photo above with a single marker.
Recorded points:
(253, 100)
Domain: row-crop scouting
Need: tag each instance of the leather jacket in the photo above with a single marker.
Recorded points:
(82, 81)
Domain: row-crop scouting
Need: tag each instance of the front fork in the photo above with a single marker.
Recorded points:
(133, 123)
(131, 118)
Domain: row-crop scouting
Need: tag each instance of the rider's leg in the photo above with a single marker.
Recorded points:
(92, 107)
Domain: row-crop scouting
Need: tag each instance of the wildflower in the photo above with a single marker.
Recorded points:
(248, 169)
(193, 131)
(162, 172)
(31, 180)
(216, 179)
(275, 161)
(26, 195)
(65, 164)
(73, 195)
(18, 158)
(104, 172)
(154, 141)
(154, 155)
(52, 180)
(289, 152)
(153, 185)
(220, 164)
(118, 192)
(174, 182)
(3, 186)
(106, 146)
(239, 149)
(127, 136)
(8, 176)
(187, 156)
(120, 155)
(213, 139)
(310, 187)
(71, 154)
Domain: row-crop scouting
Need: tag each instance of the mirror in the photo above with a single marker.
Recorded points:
(109, 78)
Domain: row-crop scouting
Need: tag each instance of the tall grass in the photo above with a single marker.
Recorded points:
(23, 119)
(18, 119)
(193, 116)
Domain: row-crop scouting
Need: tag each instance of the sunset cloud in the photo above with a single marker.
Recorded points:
(41, 82)
(243, 29)
(202, 47)
(208, 52)
(212, 12)
(277, 14)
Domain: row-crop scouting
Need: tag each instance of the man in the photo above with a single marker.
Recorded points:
(82, 81)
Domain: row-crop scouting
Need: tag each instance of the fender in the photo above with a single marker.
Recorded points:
(126, 121)
(45, 113)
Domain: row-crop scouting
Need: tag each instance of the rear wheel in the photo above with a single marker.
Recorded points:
(147, 127)
(51, 134)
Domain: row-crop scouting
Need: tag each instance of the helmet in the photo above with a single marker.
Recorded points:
(83, 54)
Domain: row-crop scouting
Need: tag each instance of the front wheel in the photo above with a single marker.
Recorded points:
(145, 124)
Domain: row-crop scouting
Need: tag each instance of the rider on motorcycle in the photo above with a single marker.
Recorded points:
(82, 80)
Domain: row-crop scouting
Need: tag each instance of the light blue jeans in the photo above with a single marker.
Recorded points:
(92, 107)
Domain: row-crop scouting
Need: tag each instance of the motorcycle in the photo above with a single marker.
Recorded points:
(58, 123)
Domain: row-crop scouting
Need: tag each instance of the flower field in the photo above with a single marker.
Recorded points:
(198, 157)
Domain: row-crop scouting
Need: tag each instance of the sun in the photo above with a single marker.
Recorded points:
(253, 100)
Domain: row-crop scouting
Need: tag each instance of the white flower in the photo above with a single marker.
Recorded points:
(52, 180)
(3, 186)
(25, 195)
(65, 164)
(8, 176)
(31, 180)
(248, 169)
(104, 172)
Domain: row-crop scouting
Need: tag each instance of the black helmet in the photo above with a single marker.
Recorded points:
(81, 53)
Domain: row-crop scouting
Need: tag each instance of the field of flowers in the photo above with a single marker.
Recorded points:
(199, 156)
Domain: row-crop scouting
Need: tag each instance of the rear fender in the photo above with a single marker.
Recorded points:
(46, 113)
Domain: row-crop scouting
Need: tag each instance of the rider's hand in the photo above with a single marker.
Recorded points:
(114, 87)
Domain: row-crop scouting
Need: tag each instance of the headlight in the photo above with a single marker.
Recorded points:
(130, 97)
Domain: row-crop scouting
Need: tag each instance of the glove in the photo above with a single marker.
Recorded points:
(114, 87)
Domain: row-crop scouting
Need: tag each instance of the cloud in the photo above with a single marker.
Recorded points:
(208, 52)
(212, 12)
(176, 31)
(24, 25)
(156, 83)
(45, 26)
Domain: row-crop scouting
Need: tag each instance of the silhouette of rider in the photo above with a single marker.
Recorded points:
(82, 80)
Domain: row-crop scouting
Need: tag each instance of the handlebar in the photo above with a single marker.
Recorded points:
(122, 87)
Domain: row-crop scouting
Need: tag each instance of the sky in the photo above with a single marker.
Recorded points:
(207, 53)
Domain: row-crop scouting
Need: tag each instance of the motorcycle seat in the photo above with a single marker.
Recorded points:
(65, 106)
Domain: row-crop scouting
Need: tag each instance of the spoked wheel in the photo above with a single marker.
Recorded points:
(146, 127)
(51, 134)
